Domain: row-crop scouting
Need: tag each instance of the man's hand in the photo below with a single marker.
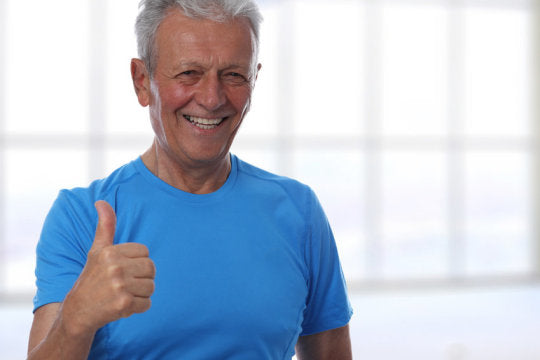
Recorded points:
(116, 282)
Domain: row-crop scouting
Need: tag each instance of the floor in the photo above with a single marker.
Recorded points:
(481, 324)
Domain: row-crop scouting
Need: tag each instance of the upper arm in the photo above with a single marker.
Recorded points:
(330, 344)
(44, 318)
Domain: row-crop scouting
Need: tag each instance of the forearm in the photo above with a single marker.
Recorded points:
(62, 341)
(331, 344)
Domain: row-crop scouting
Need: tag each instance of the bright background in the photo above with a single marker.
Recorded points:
(411, 119)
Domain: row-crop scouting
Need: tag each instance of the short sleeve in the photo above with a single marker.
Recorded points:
(327, 305)
(61, 252)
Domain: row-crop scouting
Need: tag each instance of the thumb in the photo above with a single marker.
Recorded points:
(106, 226)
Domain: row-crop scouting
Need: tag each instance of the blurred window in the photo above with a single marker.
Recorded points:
(410, 119)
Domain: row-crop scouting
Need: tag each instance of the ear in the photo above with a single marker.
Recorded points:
(259, 66)
(141, 81)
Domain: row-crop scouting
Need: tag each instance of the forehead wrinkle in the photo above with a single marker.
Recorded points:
(210, 62)
(193, 47)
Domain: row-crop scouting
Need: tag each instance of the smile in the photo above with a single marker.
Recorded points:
(205, 124)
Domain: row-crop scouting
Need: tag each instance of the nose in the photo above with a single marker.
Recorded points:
(211, 94)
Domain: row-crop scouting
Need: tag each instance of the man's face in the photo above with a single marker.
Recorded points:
(201, 88)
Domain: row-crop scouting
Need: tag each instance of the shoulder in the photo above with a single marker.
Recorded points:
(274, 189)
(253, 176)
(72, 218)
(77, 204)
(100, 189)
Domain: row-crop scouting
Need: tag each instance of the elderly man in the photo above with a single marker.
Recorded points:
(188, 252)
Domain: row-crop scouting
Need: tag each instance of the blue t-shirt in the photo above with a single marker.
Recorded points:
(240, 273)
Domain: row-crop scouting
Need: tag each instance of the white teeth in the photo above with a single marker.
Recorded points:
(204, 123)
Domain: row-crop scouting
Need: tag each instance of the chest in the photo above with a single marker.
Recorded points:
(226, 282)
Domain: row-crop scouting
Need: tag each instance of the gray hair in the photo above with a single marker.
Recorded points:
(152, 13)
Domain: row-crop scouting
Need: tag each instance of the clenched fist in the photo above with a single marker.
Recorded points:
(116, 281)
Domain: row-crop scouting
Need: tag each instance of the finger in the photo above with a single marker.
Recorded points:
(106, 226)
(133, 250)
(141, 304)
(140, 287)
(140, 268)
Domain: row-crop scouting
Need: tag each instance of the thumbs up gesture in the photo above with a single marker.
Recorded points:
(116, 282)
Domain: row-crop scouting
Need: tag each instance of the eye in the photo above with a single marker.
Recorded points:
(235, 77)
(188, 77)
(187, 73)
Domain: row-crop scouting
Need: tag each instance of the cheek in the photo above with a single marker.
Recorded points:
(240, 99)
(174, 97)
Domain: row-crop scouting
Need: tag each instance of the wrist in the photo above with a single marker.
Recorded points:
(72, 321)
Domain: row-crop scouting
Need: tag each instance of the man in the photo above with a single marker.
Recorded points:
(190, 253)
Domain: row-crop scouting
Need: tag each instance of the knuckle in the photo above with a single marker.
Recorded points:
(108, 254)
(94, 252)
(115, 271)
(123, 303)
(118, 286)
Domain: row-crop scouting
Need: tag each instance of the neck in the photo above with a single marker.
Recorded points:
(189, 176)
